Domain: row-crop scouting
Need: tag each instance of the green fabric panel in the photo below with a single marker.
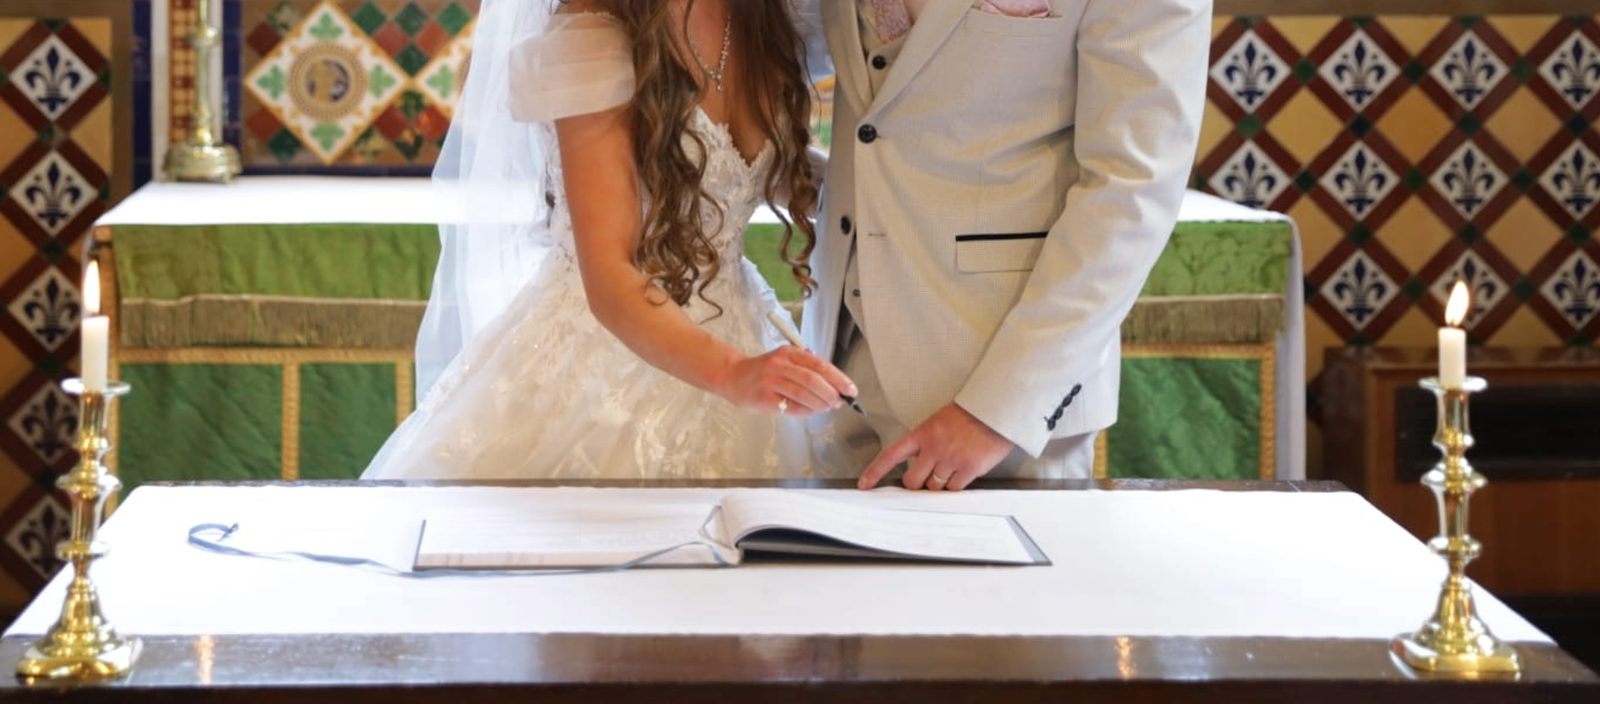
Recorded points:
(1214, 258)
(300, 260)
(1187, 418)
(200, 421)
(761, 247)
(346, 412)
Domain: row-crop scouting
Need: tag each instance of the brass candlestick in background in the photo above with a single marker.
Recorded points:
(1453, 640)
(200, 157)
(82, 645)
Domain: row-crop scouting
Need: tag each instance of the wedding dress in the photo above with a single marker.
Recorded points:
(540, 389)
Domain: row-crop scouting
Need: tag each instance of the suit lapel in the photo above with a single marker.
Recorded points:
(842, 27)
(934, 25)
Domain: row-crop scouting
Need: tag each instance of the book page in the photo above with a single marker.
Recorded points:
(961, 537)
(569, 538)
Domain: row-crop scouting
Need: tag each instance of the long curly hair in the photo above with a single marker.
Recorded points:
(675, 251)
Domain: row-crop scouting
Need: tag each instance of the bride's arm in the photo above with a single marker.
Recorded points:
(603, 194)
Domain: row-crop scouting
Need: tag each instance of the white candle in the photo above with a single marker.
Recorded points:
(96, 333)
(1453, 340)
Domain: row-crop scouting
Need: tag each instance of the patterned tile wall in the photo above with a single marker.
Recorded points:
(66, 151)
(1413, 150)
(363, 85)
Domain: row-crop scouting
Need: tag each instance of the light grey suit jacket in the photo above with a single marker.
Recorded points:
(1007, 190)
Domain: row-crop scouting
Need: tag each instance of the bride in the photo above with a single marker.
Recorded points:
(593, 314)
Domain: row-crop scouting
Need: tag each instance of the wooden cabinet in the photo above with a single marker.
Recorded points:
(1537, 431)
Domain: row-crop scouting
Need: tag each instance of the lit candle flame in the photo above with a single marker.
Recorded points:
(1455, 310)
(91, 290)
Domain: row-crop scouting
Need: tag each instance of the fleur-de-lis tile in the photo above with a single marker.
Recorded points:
(49, 309)
(1250, 177)
(1359, 70)
(1360, 180)
(1574, 180)
(1469, 179)
(1360, 290)
(53, 193)
(1469, 70)
(52, 77)
(1574, 70)
(1574, 289)
(47, 423)
(34, 538)
(1250, 71)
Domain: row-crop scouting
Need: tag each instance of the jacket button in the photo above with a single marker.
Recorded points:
(867, 134)
(880, 63)
(844, 224)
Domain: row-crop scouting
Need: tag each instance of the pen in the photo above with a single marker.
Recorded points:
(794, 339)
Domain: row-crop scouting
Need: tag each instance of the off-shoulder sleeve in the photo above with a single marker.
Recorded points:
(581, 63)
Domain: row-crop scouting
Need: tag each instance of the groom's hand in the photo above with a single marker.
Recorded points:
(949, 450)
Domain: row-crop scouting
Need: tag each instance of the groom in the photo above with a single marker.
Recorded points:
(1003, 175)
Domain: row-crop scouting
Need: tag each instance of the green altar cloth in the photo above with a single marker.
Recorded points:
(271, 337)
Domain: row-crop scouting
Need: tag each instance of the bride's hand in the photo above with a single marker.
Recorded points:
(787, 380)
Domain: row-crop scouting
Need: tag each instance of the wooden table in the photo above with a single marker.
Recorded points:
(463, 669)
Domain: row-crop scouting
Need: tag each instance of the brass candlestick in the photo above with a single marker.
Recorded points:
(1453, 640)
(200, 157)
(82, 645)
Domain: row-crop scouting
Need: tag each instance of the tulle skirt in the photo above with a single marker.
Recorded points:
(547, 392)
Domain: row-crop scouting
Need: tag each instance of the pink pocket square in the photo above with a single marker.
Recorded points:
(1017, 8)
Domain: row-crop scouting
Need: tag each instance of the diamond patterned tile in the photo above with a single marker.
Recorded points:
(1215, 126)
(16, 132)
(48, 309)
(1304, 126)
(1573, 70)
(54, 75)
(1414, 235)
(1303, 32)
(1359, 180)
(1524, 328)
(35, 522)
(1358, 70)
(1252, 70)
(1414, 125)
(1526, 235)
(1574, 180)
(1573, 289)
(1318, 234)
(326, 81)
(1522, 32)
(1415, 32)
(11, 29)
(1359, 291)
(1469, 179)
(443, 78)
(96, 133)
(1524, 125)
(1413, 328)
(1469, 70)
(1251, 177)
(47, 423)
(53, 192)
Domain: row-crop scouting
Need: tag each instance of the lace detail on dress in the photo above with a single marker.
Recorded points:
(547, 391)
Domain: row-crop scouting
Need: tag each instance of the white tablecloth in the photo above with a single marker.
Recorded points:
(1126, 563)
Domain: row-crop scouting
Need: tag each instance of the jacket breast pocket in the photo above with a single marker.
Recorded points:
(1002, 252)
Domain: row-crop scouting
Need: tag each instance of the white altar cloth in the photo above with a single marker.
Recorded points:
(1126, 563)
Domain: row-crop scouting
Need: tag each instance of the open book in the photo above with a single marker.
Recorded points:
(696, 534)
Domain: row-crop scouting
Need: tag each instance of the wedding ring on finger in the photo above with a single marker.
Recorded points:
(783, 405)
(936, 480)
